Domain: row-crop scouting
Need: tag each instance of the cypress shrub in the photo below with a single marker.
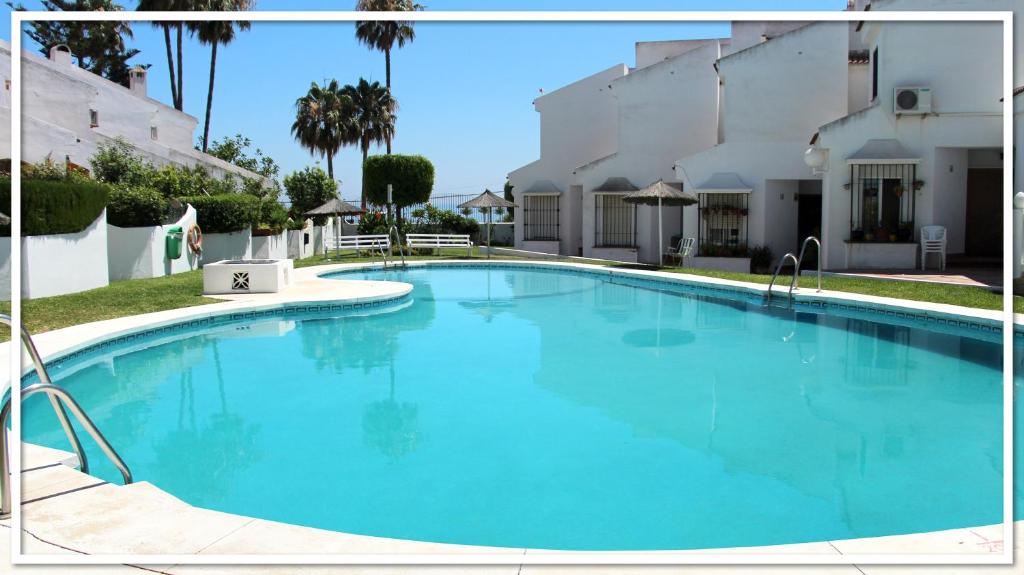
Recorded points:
(136, 208)
(225, 213)
(55, 206)
(412, 179)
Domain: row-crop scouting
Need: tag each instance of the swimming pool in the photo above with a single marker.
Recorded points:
(544, 408)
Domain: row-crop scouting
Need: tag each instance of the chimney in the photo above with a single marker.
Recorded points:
(61, 54)
(137, 81)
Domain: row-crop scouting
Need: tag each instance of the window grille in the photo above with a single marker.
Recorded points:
(614, 221)
(540, 217)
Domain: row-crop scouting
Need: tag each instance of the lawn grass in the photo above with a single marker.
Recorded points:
(133, 297)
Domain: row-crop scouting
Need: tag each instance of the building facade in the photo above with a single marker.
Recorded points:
(904, 121)
(67, 112)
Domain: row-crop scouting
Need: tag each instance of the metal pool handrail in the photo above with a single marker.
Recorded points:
(800, 260)
(778, 268)
(57, 395)
(398, 242)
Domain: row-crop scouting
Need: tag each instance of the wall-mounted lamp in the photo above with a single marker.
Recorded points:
(817, 159)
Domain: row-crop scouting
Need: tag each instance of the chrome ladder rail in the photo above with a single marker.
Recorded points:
(800, 260)
(778, 268)
(58, 397)
(398, 242)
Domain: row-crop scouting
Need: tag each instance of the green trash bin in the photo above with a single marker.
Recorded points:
(173, 242)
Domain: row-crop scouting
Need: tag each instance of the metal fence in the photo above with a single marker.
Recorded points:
(614, 221)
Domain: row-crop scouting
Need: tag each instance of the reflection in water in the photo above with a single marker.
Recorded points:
(642, 418)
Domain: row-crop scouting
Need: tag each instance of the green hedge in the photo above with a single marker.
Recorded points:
(55, 207)
(136, 208)
(412, 179)
(224, 213)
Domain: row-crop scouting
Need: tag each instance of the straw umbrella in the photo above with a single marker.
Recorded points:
(335, 207)
(487, 201)
(661, 194)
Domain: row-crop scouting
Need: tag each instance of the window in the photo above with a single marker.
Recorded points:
(874, 74)
(723, 225)
(882, 202)
(94, 118)
(614, 221)
(540, 217)
(153, 133)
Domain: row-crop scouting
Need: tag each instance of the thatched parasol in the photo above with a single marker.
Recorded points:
(335, 207)
(487, 200)
(661, 194)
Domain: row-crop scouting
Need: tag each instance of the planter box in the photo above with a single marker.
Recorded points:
(881, 256)
(134, 253)
(233, 246)
(629, 255)
(741, 265)
(246, 276)
(270, 247)
(58, 264)
(544, 247)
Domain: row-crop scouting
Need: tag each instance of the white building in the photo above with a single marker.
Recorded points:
(68, 111)
(736, 133)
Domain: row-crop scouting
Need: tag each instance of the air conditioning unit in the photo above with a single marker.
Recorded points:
(912, 101)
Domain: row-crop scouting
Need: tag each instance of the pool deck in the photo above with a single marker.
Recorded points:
(67, 512)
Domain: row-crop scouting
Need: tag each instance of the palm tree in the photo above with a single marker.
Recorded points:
(372, 119)
(321, 121)
(216, 33)
(158, 6)
(382, 36)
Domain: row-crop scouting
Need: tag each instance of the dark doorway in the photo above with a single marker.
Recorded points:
(984, 218)
(808, 223)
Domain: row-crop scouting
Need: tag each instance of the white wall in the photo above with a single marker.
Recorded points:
(578, 124)
(666, 111)
(134, 253)
(233, 246)
(648, 53)
(783, 89)
(950, 184)
(859, 87)
(270, 247)
(780, 209)
(748, 34)
(64, 263)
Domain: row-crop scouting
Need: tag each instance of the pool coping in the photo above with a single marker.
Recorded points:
(316, 289)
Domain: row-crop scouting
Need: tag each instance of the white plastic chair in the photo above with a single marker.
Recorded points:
(933, 241)
(682, 251)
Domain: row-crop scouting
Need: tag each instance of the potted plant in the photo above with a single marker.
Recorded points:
(857, 235)
(761, 259)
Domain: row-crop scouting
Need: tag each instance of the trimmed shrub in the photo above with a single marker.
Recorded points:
(55, 207)
(136, 208)
(431, 220)
(373, 223)
(411, 177)
(225, 213)
(117, 162)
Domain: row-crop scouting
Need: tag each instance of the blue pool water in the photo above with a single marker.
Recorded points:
(546, 409)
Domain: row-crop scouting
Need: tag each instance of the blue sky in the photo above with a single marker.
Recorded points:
(465, 89)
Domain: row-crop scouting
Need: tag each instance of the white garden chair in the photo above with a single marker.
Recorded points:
(933, 241)
(682, 251)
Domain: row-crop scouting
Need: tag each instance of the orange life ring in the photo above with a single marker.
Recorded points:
(195, 238)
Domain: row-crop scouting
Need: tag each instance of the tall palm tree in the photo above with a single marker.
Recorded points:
(321, 121)
(372, 119)
(382, 36)
(158, 6)
(216, 33)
